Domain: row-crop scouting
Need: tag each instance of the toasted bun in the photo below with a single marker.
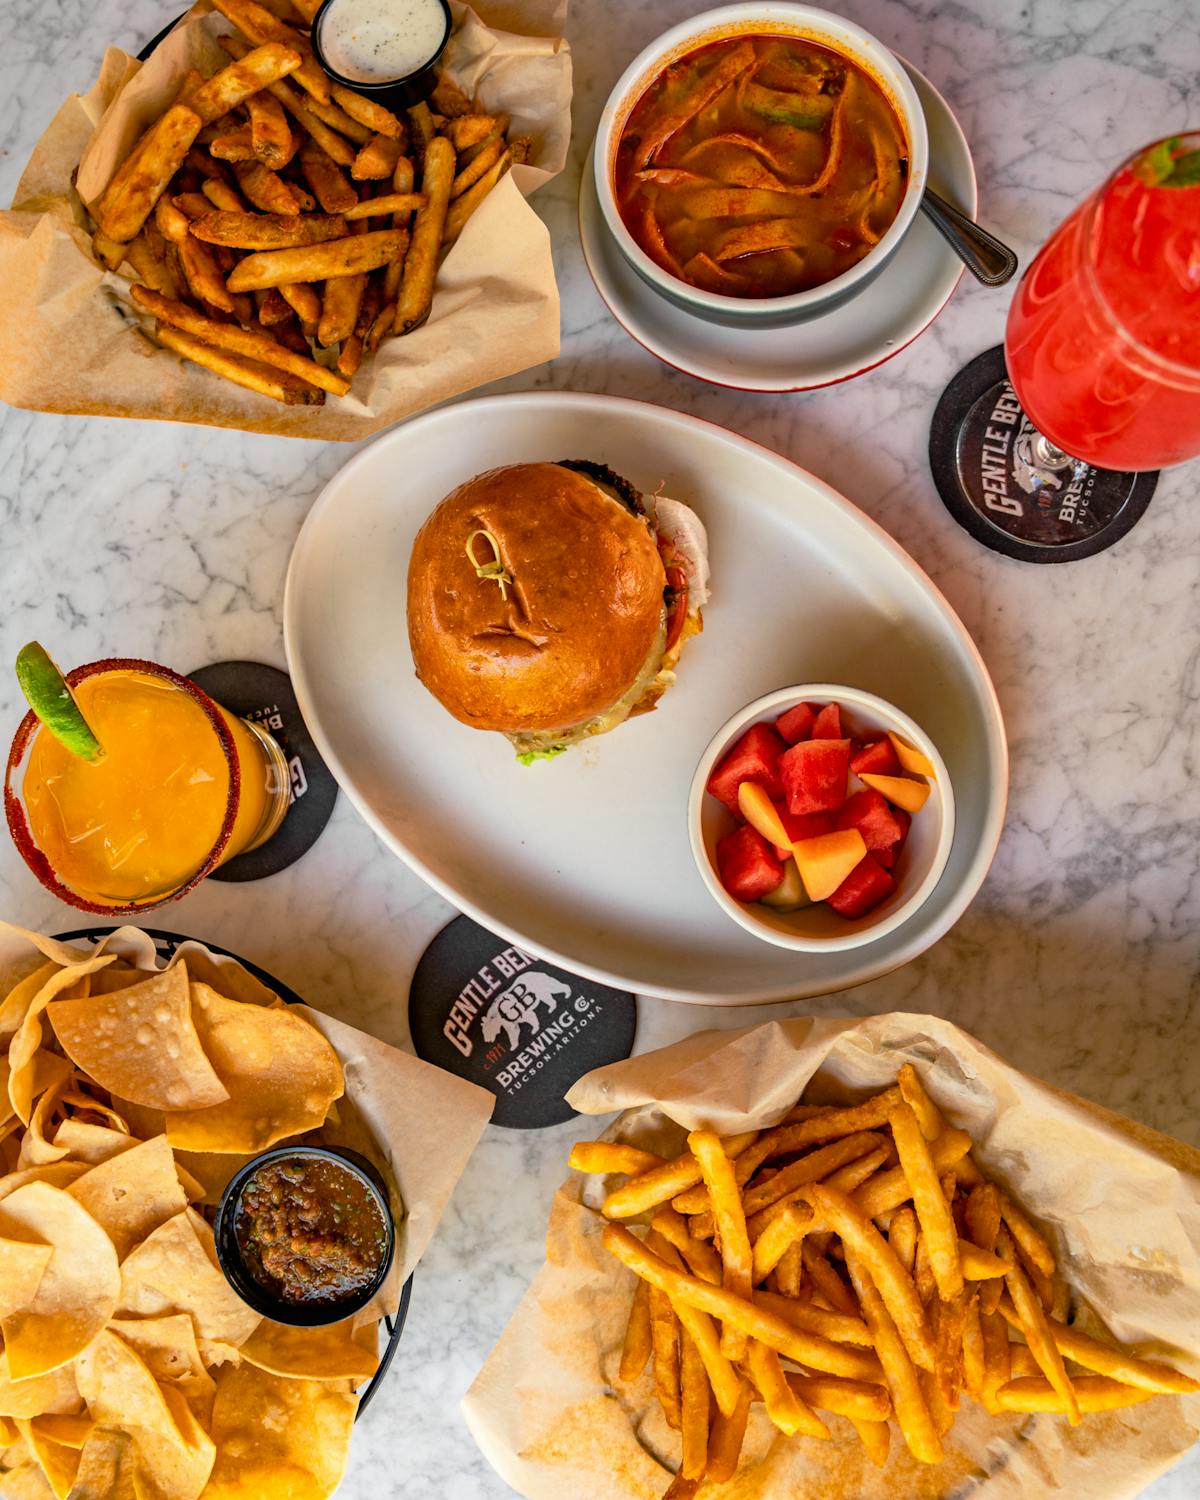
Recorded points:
(582, 614)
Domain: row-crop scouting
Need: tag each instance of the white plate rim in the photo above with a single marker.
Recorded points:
(996, 793)
(655, 347)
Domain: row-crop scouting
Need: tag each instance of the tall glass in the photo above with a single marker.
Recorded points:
(1103, 337)
(182, 787)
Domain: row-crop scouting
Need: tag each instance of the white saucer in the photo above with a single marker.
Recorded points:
(898, 305)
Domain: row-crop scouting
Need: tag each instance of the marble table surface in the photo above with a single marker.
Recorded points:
(1078, 959)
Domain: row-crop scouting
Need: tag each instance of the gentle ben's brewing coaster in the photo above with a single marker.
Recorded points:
(255, 691)
(981, 451)
(513, 1023)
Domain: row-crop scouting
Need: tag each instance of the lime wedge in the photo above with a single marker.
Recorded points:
(53, 702)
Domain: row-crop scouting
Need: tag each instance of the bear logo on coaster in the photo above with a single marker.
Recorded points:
(512, 1023)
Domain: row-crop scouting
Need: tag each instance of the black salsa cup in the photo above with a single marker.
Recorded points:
(257, 1296)
(392, 93)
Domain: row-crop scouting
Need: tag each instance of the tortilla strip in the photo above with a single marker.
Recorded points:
(671, 121)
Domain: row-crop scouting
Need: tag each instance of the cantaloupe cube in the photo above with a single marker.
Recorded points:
(900, 791)
(824, 862)
(761, 814)
(911, 759)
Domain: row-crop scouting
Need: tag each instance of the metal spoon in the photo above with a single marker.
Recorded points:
(987, 258)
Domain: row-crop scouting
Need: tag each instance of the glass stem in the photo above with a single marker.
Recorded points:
(1047, 456)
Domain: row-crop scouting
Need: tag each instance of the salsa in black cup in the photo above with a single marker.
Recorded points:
(305, 1235)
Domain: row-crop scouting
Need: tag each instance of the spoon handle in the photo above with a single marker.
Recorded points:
(988, 259)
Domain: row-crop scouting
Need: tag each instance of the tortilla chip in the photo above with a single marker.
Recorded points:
(58, 1463)
(85, 1104)
(121, 1392)
(277, 1436)
(21, 1268)
(37, 1150)
(24, 1047)
(78, 1291)
(131, 1195)
(140, 1043)
(59, 1174)
(71, 1431)
(27, 1483)
(16, 1002)
(212, 1171)
(280, 1073)
(175, 1270)
(92, 1144)
(106, 1467)
(53, 1393)
(330, 1353)
(8, 1432)
(168, 1347)
(121, 976)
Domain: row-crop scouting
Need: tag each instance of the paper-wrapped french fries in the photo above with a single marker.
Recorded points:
(868, 1259)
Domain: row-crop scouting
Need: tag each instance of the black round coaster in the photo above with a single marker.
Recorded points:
(255, 691)
(987, 475)
(514, 1024)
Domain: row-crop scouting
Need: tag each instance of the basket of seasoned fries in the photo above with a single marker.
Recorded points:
(227, 235)
(868, 1259)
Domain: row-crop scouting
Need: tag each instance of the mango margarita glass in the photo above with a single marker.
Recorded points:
(181, 787)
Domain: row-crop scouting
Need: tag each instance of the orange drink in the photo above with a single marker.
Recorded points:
(180, 787)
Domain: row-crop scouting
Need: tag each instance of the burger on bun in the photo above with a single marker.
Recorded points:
(551, 601)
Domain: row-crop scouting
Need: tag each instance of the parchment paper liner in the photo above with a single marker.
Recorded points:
(1122, 1204)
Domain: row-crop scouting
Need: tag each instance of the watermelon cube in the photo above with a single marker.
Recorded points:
(878, 759)
(869, 812)
(803, 825)
(888, 857)
(814, 775)
(828, 724)
(863, 889)
(755, 758)
(747, 865)
(796, 724)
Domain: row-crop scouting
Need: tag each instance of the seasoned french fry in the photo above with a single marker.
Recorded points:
(151, 269)
(499, 132)
(1037, 1330)
(664, 1183)
(270, 133)
(170, 222)
(933, 1212)
(333, 258)
(806, 1349)
(304, 302)
(109, 252)
(475, 169)
(876, 1439)
(1092, 1393)
(338, 120)
(913, 1092)
(241, 80)
(694, 1393)
(265, 189)
(194, 205)
(257, 23)
(448, 99)
(260, 347)
(470, 130)
(736, 1255)
(140, 180)
(635, 1350)
(267, 231)
(842, 1328)
(223, 197)
(462, 208)
(377, 159)
(339, 308)
(307, 8)
(297, 105)
(664, 1343)
(203, 274)
(420, 266)
(272, 309)
(421, 128)
(277, 384)
(373, 116)
(386, 203)
(726, 1437)
(912, 1414)
(324, 176)
(611, 1156)
(857, 1400)
(785, 1408)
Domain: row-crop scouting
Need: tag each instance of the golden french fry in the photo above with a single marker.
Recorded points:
(876, 1439)
(140, 180)
(912, 1413)
(982, 1215)
(702, 1260)
(806, 1349)
(240, 81)
(967, 1173)
(850, 1178)
(736, 1255)
(270, 133)
(611, 1156)
(857, 1400)
(664, 1183)
(277, 384)
(297, 105)
(725, 1440)
(194, 205)
(1042, 1285)
(814, 1167)
(338, 120)
(303, 301)
(948, 1321)
(224, 198)
(923, 1272)
(974, 1365)
(773, 1242)
(635, 1350)
(470, 130)
(256, 346)
(842, 1328)
(202, 273)
(266, 189)
(267, 231)
(912, 1090)
(329, 260)
(1036, 1329)
(272, 309)
(324, 176)
(257, 23)
(933, 1212)
(475, 169)
(499, 132)
(723, 1378)
(979, 1265)
(940, 1413)
(789, 1272)
(448, 99)
(1092, 1393)
(1029, 1239)
(377, 159)
(109, 252)
(1104, 1360)
(1022, 1364)
(386, 203)
(308, 9)
(785, 1408)
(421, 128)
(997, 1357)
(170, 222)
(462, 208)
(420, 266)
(860, 1237)
(826, 1280)
(373, 116)
(694, 1393)
(888, 1190)
(902, 1236)
(664, 1343)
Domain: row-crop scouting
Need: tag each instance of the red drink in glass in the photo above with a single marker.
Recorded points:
(1103, 337)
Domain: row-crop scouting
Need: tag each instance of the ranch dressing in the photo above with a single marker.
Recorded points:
(375, 41)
